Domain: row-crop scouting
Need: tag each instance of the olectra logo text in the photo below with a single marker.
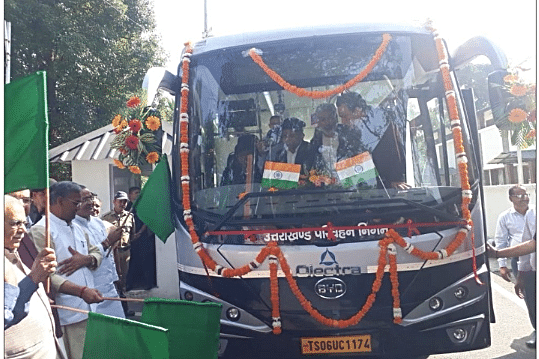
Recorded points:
(330, 268)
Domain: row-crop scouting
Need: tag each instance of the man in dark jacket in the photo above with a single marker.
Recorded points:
(293, 148)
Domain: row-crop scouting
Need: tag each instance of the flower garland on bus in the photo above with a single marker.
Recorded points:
(387, 244)
(322, 94)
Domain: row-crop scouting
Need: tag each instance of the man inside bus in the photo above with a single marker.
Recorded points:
(241, 161)
(380, 140)
(332, 142)
(293, 149)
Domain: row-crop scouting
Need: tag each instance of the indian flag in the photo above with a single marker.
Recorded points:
(280, 175)
(357, 169)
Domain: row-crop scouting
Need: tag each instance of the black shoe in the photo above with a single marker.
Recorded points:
(130, 313)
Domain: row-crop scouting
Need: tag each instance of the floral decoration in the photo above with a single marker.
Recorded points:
(317, 179)
(519, 114)
(135, 138)
(386, 38)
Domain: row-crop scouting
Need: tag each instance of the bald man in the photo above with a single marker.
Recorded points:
(29, 324)
(27, 249)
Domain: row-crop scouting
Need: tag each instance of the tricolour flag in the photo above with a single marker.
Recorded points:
(26, 129)
(280, 175)
(357, 169)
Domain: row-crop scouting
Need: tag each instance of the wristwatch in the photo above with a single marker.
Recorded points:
(94, 262)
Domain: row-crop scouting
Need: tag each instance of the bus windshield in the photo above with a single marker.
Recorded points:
(264, 157)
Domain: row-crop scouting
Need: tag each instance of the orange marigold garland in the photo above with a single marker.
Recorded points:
(322, 94)
(274, 290)
(387, 246)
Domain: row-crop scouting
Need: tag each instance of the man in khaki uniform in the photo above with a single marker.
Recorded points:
(124, 219)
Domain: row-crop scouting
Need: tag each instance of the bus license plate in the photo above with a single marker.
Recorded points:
(332, 345)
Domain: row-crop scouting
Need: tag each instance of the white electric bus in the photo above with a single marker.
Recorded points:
(309, 251)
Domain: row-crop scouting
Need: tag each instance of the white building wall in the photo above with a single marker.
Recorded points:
(94, 175)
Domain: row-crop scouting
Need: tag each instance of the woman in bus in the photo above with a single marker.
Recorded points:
(236, 171)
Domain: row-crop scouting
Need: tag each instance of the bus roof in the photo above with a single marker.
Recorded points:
(244, 39)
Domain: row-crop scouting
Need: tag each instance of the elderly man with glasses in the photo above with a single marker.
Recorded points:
(74, 281)
(28, 320)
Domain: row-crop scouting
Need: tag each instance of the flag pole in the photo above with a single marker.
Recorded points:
(47, 230)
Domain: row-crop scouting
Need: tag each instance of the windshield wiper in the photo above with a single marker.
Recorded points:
(253, 195)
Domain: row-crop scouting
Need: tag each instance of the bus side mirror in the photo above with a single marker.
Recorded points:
(498, 97)
(159, 78)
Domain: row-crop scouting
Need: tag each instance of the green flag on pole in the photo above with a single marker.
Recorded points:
(26, 128)
(154, 204)
(193, 327)
(112, 338)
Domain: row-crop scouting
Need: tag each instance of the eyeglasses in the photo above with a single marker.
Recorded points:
(15, 224)
(76, 203)
(520, 196)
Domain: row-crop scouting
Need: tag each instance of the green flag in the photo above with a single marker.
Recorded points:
(26, 128)
(154, 204)
(112, 338)
(193, 326)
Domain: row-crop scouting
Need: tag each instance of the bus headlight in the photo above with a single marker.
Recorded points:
(233, 314)
(435, 304)
(460, 334)
(461, 292)
(188, 296)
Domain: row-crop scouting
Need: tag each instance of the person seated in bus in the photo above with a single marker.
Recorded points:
(332, 142)
(378, 136)
(274, 134)
(293, 148)
(238, 162)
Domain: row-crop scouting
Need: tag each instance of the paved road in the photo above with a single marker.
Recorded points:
(511, 330)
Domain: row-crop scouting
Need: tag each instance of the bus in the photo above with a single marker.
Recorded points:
(327, 191)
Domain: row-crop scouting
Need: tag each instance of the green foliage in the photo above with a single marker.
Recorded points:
(95, 52)
(475, 76)
(60, 171)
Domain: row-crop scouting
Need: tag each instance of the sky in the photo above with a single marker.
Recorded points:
(509, 24)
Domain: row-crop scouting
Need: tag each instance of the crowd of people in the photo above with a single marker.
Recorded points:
(87, 262)
(332, 142)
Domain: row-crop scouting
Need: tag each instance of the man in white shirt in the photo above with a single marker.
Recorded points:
(105, 275)
(76, 258)
(526, 278)
(526, 284)
(30, 333)
(510, 226)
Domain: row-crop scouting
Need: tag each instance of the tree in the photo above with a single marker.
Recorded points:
(475, 76)
(95, 52)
